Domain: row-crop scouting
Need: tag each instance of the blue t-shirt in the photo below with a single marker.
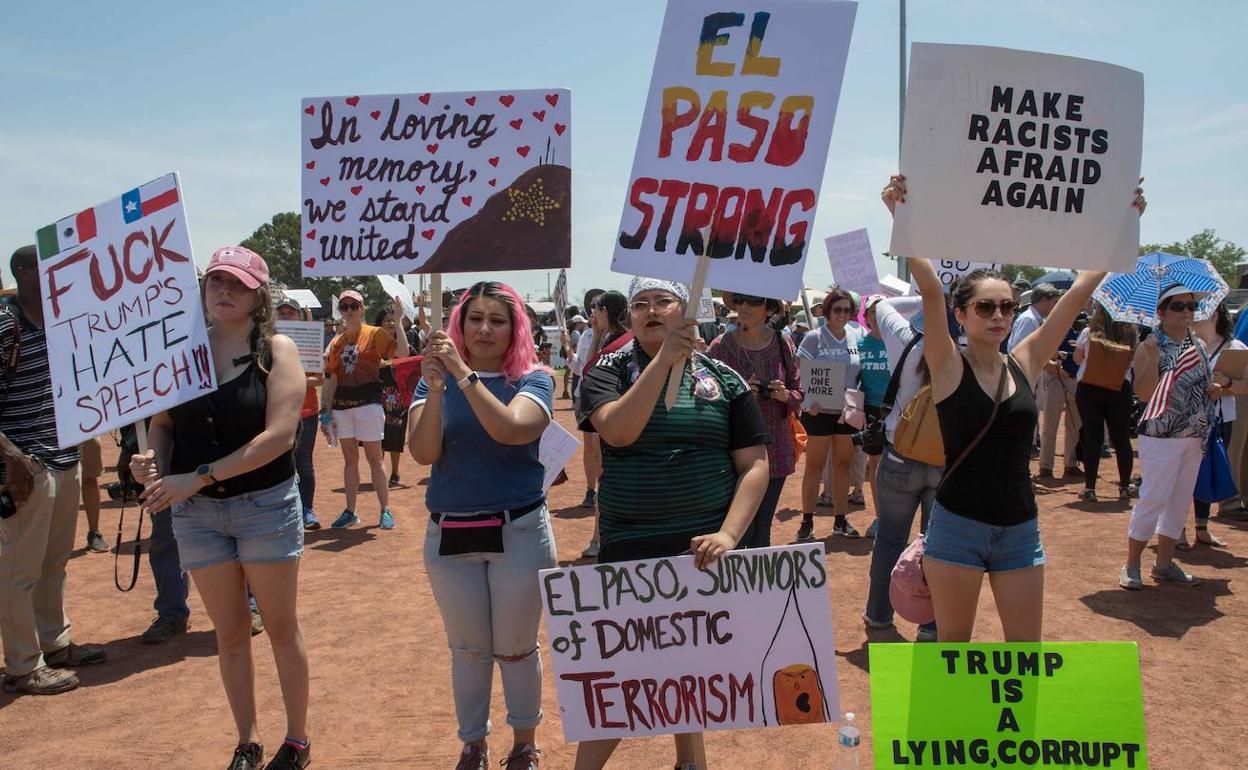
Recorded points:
(1241, 327)
(875, 374)
(476, 473)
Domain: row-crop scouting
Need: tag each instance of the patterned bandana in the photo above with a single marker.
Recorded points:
(641, 283)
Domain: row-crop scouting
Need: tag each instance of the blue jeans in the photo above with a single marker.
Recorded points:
(303, 460)
(758, 535)
(902, 486)
(172, 586)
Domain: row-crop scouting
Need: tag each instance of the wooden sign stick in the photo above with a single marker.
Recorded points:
(696, 288)
(435, 302)
(140, 432)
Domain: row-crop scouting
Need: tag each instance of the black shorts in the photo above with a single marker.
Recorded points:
(656, 547)
(826, 424)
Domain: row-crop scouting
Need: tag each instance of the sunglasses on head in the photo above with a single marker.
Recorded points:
(984, 308)
(1181, 307)
(347, 307)
(747, 299)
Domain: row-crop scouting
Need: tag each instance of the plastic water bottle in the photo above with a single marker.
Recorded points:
(331, 436)
(848, 737)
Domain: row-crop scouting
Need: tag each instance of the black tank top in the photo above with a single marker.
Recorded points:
(214, 425)
(993, 483)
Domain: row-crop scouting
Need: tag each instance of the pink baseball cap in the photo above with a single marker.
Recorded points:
(242, 263)
(907, 588)
(351, 294)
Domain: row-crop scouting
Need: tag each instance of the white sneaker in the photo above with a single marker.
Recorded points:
(591, 550)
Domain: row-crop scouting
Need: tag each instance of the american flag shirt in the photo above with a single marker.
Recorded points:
(1180, 406)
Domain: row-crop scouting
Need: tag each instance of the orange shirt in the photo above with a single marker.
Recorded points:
(354, 361)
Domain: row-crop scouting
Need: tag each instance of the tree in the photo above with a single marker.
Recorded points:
(278, 241)
(1224, 254)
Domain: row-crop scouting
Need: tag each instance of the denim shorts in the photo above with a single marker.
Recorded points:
(253, 528)
(955, 539)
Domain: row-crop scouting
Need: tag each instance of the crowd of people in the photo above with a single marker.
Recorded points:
(960, 389)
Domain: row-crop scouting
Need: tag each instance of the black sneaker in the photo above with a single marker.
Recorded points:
(842, 527)
(290, 758)
(806, 530)
(247, 756)
(164, 628)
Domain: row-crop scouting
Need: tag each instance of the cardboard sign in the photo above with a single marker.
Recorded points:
(659, 646)
(121, 308)
(853, 263)
(306, 299)
(950, 270)
(309, 337)
(436, 183)
(733, 142)
(892, 286)
(555, 449)
(1056, 704)
(561, 299)
(396, 288)
(1018, 155)
(823, 383)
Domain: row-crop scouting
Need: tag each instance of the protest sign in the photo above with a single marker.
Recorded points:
(892, 286)
(393, 287)
(706, 309)
(660, 646)
(309, 337)
(733, 143)
(853, 264)
(823, 383)
(436, 182)
(557, 446)
(561, 299)
(122, 312)
(306, 299)
(950, 270)
(1027, 157)
(1055, 704)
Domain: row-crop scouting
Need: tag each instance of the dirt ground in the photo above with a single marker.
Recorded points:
(381, 672)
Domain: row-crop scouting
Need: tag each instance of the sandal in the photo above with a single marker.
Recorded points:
(1181, 544)
(1203, 535)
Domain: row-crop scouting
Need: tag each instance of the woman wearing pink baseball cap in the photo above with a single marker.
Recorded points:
(224, 464)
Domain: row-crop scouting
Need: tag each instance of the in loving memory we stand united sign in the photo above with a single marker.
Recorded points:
(436, 182)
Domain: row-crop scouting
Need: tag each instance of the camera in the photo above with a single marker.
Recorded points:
(871, 439)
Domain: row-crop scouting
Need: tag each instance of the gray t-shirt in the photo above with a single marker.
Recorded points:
(821, 345)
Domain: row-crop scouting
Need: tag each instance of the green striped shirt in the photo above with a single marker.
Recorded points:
(678, 477)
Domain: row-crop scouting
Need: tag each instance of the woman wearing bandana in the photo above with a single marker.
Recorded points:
(685, 480)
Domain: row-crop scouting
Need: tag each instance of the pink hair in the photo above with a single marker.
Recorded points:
(521, 356)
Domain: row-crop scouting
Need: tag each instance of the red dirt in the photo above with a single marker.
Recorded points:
(381, 671)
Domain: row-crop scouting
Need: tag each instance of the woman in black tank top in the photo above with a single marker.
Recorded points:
(224, 464)
(984, 519)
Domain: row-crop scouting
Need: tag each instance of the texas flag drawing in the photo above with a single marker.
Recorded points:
(81, 227)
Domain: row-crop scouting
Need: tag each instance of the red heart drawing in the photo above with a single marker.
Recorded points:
(552, 99)
(432, 148)
(312, 234)
(494, 161)
(420, 189)
(560, 128)
(309, 262)
(471, 100)
(310, 110)
(356, 190)
(524, 151)
(427, 234)
(325, 182)
(424, 98)
(310, 165)
(353, 100)
(467, 199)
(506, 100)
(492, 182)
(516, 123)
(375, 114)
(540, 114)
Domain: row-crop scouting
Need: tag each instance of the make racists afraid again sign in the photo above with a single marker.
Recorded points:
(733, 143)
(436, 182)
(122, 312)
(660, 646)
(1020, 157)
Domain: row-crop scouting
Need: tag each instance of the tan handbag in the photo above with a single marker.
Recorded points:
(1107, 364)
(917, 436)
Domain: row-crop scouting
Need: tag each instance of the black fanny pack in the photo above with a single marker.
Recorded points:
(477, 532)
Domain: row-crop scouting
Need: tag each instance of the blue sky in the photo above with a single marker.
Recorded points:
(98, 97)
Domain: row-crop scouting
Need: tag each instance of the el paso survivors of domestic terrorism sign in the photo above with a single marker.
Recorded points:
(1020, 157)
(437, 182)
(125, 325)
(659, 646)
(1063, 704)
(733, 142)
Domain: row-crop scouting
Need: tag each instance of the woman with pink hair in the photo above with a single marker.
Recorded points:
(478, 413)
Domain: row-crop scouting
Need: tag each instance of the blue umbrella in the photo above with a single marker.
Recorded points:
(1132, 297)
(1061, 279)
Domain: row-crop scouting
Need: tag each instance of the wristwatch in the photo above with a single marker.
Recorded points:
(471, 379)
(205, 474)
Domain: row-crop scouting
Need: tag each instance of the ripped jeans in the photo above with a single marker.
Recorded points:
(491, 606)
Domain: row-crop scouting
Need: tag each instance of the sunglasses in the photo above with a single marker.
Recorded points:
(746, 299)
(985, 308)
(348, 307)
(840, 310)
(1182, 307)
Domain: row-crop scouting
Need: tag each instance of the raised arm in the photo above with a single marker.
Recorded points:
(621, 422)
